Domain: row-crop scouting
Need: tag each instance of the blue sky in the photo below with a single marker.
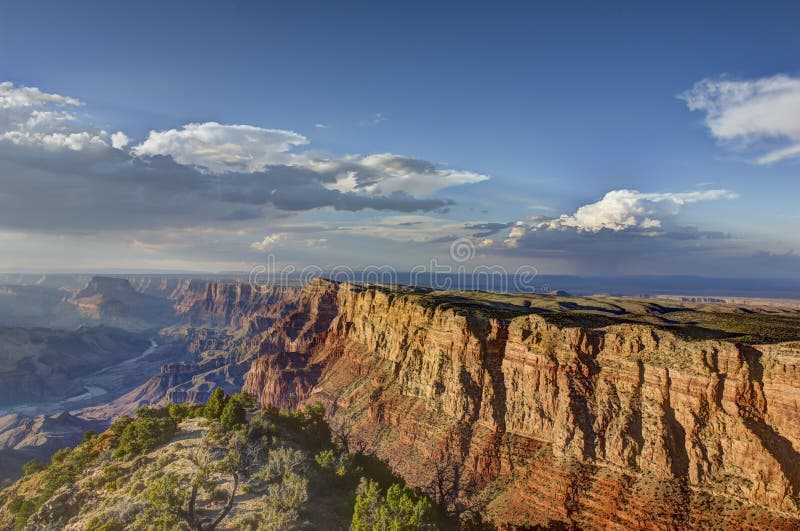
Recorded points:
(522, 113)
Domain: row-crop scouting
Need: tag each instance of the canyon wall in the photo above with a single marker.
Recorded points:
(528, 422)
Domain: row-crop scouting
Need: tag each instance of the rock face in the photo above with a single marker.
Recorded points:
(35, 305)
(228, 325)
(113, 301)
(23, 438)
(530, 422)
(207, 303)
(40, 364)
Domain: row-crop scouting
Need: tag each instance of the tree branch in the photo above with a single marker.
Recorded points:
(228, 506)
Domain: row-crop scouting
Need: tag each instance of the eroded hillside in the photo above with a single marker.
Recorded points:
(526, 409)
(590, 416)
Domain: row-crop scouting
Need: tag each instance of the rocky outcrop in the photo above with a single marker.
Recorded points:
(65, 503)
(113, 301)
(214, 304)
(282, 380)
(613, 427)
(283, 375)
(35, 305)
(23, 438)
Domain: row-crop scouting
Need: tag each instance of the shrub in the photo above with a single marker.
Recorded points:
(32, 466)
(23, 512)
(97, 524)
(341, 465)
(111, 473)
(280, 508)
(260, 427)
(150, 412)
(249, 402)
(144, 434)
(180, 412)
(315, 429)
(398, 510)
(290, 494)
(119, 424)
(326, 459)
(280, 463)
(66, 465)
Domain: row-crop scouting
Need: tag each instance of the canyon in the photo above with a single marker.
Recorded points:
(588, 412)
(536, 423)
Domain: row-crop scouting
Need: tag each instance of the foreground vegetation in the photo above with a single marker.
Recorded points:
(217, 466)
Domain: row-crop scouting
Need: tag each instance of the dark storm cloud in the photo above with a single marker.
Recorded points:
(487, 229)
(106, 188)
(59, 173)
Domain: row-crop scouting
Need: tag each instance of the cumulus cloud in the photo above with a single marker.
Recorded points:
(622, 211)
(12, 97)
(749, 111)
(222, 148)
(30, 117)
(119, 140)
(238, 173)
(267, 242)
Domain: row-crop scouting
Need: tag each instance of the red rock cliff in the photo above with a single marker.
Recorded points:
(620, 427)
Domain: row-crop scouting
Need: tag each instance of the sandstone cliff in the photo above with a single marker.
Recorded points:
(527, 421)
(113, 301)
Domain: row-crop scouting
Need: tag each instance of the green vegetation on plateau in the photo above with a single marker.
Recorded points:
(749, 324)
(221, 465)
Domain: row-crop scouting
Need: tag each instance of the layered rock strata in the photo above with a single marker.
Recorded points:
(536, 423)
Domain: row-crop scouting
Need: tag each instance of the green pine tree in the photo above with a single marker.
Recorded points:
(233, 414)
(215, 404)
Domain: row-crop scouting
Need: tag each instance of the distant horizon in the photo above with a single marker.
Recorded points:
(623, 285)
(244, 273)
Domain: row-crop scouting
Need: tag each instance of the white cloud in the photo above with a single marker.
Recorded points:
(55, 141)
(319, 125)
(119, 140)
(31, 117)
(268, 242)
(629, 209)
(219, 148)
(14, 97)
(747, 111)
(387, 173)
(780, 154)
(647, 214)
(112, 184)
(514, 235)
